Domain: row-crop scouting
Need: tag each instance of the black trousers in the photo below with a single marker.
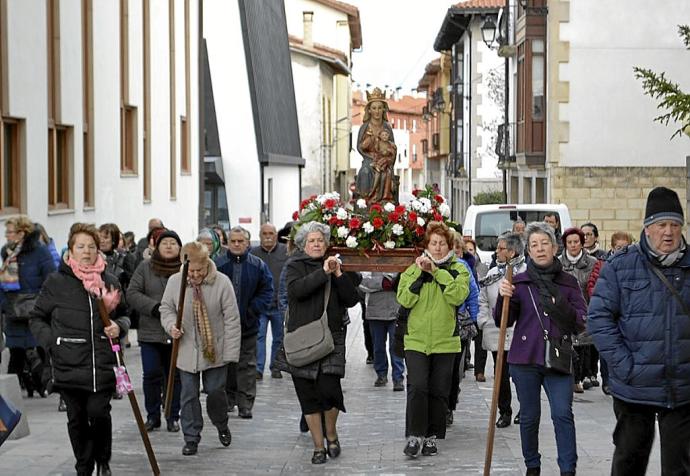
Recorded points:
(428, 386)
(504, 395)
(368, 340)
(479, 354)
(89, 427)
(634, 436)
(458, 363)
(584, 365)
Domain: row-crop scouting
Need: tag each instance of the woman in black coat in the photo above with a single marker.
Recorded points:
(66, 322)
(318, 384)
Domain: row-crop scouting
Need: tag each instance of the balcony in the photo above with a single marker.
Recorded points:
(501, 142)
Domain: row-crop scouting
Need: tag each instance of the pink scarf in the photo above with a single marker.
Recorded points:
(90, 276)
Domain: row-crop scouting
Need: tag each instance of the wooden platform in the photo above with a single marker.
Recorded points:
(388, 261)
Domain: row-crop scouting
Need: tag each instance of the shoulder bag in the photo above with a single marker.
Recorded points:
(310, 342)
(558, 352)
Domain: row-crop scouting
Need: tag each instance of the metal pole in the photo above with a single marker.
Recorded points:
(506, 126)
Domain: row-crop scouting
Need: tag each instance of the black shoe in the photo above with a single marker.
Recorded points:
(586, 384)
(449, 417)
(533, 471)
(303, 427)
(103, 469)
(117, 396)
(568, 473)
(370, 360)
(469, 366)
(276, 374)
(224, 436)
(381, 381)
(606, 389)
(430, 448)
(595, 382)
(190, 448)
(173, 426)
(413, 446)
(259, 376)
(319, 456)
(244, 413)
(333, 448)
(503, 421)
(516, 420)
(152, 424)
(62, 406)
(398, 386)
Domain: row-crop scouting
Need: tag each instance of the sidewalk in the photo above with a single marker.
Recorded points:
(371, 433)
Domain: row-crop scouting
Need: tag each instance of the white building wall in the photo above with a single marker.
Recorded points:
(281, 190)
(117, 199)
(325, 29)
(402, 161)
(610, 117)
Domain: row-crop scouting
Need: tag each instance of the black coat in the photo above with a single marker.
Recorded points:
(306, 282)
(66, 323)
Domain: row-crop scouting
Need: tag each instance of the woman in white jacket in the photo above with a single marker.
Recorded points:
(510, 245)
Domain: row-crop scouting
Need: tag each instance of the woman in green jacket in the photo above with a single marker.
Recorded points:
(431, 289)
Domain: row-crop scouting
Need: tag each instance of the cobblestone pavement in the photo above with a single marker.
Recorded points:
(371, 434)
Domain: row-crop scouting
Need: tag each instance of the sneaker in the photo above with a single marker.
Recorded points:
(587, 384)
(190, 448)
(429, 448)
(224, 436)
(381, 381)
(276, 374)
(413, 447)
(577, 388)
(595, 382)
(398, 386)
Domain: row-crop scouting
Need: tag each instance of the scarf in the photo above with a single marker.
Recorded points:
(517, 262)
(574, 259)
(9, 272)
(202, 323)
(550, 296)
(593, 249)
(90, 277)
(165, 267)
(668, 260)
(449, 258)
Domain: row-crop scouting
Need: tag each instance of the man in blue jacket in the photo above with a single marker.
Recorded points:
(639, 319)
(253, 286)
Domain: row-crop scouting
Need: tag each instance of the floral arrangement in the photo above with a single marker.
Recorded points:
(375, 226)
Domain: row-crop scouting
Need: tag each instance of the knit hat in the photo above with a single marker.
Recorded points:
(168, 234)
(663, 204)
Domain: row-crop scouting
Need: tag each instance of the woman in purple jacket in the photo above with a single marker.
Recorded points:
(545, 296)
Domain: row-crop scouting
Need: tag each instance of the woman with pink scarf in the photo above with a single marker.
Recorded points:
(66, 322)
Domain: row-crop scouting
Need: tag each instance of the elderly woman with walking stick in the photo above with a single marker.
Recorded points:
(209, 338)
(547, 307)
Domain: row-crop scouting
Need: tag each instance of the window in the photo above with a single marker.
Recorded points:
(185, 139)
(128, 140)
(537, 79)
(425, 147)
(59, 167)
(184, 145)
(146, 70)
(9, 166)
(414, 152)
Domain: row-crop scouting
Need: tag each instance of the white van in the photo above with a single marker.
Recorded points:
(485, 223)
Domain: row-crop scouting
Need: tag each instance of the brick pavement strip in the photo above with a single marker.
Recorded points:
(371, 434)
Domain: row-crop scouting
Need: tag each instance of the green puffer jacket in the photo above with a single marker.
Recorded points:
(433, 300)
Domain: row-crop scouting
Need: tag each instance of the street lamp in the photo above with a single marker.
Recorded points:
(488, 31)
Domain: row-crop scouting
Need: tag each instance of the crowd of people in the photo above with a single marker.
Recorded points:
(576, 314)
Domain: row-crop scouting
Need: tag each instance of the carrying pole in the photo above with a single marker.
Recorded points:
(176, 342)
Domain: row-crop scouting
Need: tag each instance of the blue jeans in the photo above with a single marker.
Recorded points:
(380, 330)
(528, 381)
(155, 361)
(275, 317)
(191, 419)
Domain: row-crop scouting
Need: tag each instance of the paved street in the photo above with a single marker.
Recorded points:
(371, 434)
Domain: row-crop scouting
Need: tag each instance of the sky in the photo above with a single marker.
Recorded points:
(397, 41)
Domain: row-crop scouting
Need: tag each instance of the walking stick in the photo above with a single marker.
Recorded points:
(176, 342)
(497, 374)
(123, 379)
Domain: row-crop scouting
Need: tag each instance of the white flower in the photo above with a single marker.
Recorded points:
(389, 207)
(343, 231)
(398, 229)
(326, 217)
(415, 204)
(389, 245)
(341, 214)
(361, 203)
(351, 242)
(444, 210)
(368, 227)
(424, 209)
(321, 199)
(425, 202)
(420, 221)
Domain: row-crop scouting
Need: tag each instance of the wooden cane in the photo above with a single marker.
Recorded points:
(132, 400)
(497, 374)
(176, 342)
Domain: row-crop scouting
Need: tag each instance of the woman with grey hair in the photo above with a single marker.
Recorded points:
(309, 274)
(545, 302)
(510, 249)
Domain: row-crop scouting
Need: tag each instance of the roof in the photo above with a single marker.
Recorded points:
(458, 18)
(352, 13)
(336, 58)
(480, 4)
(430, 71)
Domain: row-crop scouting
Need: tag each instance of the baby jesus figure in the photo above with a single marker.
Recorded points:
(384, 155)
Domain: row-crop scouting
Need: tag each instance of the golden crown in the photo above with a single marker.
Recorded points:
(376, 95)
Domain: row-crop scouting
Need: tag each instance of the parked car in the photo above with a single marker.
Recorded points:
(485, 223)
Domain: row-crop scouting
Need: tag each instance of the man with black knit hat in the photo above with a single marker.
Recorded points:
(639, 317)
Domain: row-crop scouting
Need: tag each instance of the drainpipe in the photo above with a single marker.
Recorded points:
(202, 133)
(506, 123)
(469, 125)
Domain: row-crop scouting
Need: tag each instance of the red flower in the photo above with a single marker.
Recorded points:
(438, 198)
(376, 207)
(415, 192)
(419, 231)
(377, 222)
(413, 216)
(330, 203)
(313, 197)
(437, 216)
(333, 220)
(295, 216)
(303, 204)
(355, 223)
(393, 217)
(400, 209)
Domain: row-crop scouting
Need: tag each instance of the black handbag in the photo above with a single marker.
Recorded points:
(558, 351)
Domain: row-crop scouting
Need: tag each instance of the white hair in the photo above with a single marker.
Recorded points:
(311, 227)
